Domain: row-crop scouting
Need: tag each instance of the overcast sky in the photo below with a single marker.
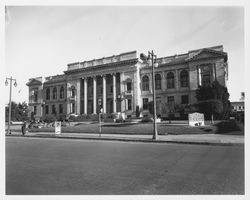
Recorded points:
(42, 40)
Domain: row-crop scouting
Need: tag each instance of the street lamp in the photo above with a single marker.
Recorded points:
(152, 58)
(15, 84)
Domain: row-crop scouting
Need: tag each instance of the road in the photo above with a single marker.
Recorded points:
(40, 166)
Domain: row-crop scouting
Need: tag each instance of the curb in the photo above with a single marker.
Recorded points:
(130, 140)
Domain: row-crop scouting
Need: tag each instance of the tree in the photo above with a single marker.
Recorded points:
(213, 100)
(19, 112)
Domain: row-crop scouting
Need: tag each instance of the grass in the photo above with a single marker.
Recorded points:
(231, 128)
(130, 128)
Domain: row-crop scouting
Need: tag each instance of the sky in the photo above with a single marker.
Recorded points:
(42, 40)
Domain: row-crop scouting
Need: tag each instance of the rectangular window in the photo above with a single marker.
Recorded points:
(35, 95)
(129, 87)
(35, 110)
(73, 107)
(61, 92)
(73, 92)
(171, 100)
(53, 109)
(129, 104)
(171, 104)
(145, 103)
(206, 75)
(184, 99)
(60, 108)
(158, 82)
(47, 93)
(46, 109)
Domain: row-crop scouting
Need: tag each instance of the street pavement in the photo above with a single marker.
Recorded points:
(211, 139)
(52, 166)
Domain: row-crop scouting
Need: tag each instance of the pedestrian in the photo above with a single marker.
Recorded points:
(24, 128)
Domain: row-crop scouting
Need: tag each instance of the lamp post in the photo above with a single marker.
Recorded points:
(152, 58)
(15, 84)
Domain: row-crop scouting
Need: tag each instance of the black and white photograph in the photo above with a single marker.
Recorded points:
(119, 98)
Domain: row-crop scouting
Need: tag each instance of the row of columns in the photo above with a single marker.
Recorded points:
(104, 103)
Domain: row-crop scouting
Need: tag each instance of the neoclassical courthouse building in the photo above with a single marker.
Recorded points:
(123, 83)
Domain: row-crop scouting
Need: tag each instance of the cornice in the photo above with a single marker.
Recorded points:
(103, 66)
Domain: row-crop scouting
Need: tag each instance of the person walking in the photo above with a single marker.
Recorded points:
(24, 128)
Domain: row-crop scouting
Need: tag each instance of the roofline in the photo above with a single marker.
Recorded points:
(121, 54)
(213, 47)
(135, 60)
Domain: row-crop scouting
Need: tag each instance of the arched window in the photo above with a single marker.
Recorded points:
(47, 94)
(170, 80)
(157, 81)
(54, 93)
(145, 83)
(184, 78)
(73, 92)
(61, 92)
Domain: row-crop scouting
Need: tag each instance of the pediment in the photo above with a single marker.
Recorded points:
(205, 53)
(34, 82)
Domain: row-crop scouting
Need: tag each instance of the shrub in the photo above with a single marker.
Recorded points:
(72, 118)
(62, 117)
(49, 118)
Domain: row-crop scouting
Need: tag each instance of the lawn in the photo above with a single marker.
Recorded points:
(176, 128)
(132, 128)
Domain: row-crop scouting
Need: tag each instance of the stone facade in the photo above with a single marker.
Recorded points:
(123, 83)
(35, 97)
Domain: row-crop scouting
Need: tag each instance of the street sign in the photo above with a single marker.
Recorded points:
(196, 119)
(58, 127)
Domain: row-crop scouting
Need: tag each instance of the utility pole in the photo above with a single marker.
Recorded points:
(15, 84)
(152, 57)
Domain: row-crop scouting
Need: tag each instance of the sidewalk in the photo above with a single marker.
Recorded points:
(208, 139)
